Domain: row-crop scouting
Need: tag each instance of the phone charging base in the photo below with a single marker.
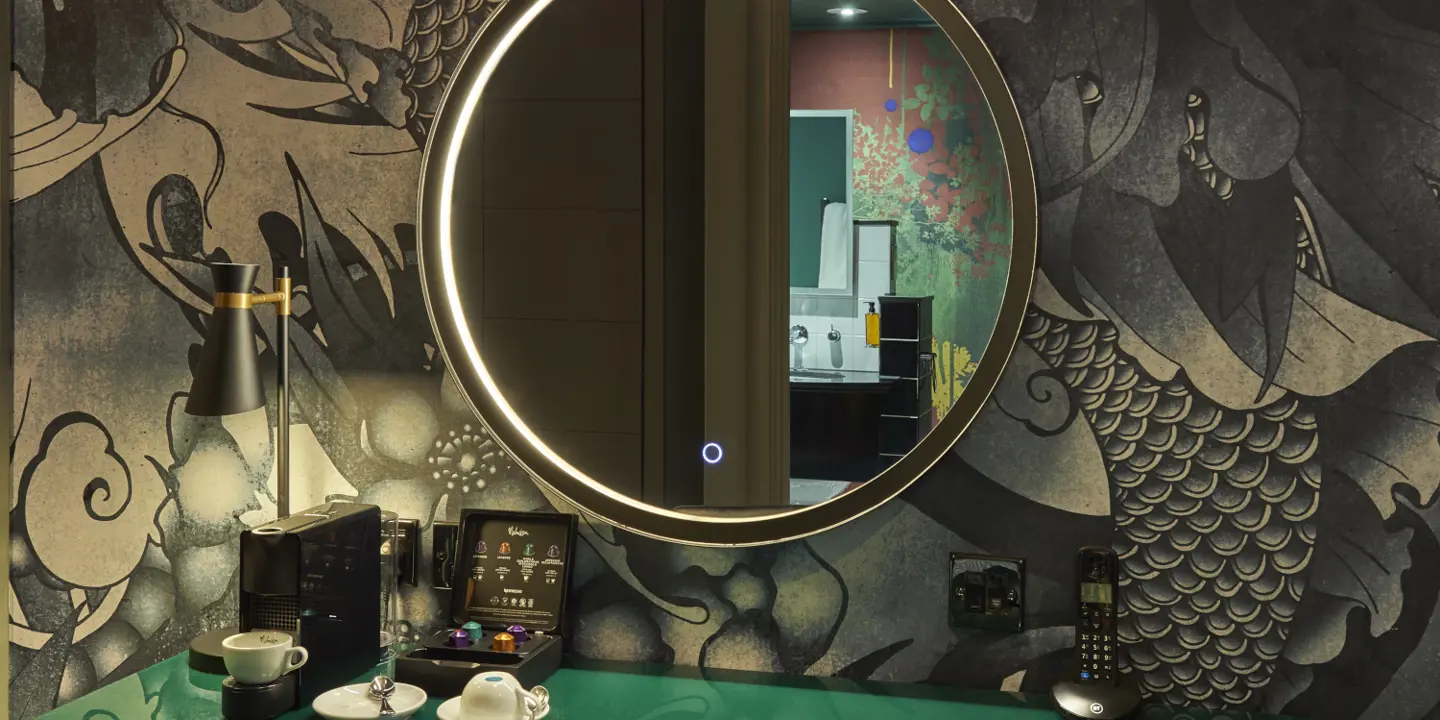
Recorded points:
(1097, 700)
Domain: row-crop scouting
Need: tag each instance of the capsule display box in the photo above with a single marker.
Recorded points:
(511, 571)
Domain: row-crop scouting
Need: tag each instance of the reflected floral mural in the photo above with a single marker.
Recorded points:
(927, 156)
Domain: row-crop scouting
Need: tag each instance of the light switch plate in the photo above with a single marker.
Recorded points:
(987, 592)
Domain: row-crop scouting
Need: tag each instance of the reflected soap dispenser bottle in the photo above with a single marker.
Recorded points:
(872, 327)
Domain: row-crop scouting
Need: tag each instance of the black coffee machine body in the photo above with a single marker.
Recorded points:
(316, 574)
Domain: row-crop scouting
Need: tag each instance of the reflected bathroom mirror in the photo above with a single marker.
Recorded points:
(727, 271)
(822, 239)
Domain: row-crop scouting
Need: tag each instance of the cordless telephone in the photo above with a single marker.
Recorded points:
(1095, 637)
(1095, 688)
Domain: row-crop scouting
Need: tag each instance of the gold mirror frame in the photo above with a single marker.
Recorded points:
(457, 346)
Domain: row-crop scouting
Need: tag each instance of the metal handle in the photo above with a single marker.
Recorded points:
(541, 699)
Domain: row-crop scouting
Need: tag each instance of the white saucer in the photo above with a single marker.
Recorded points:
(450, 710)
(353, 702)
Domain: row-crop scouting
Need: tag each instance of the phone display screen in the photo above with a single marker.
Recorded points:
(1098, 593)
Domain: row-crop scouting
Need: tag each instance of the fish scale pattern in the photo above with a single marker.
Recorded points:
(436, 34)
(1214, 509)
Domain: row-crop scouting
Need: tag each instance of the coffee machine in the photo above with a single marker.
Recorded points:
(316, 575)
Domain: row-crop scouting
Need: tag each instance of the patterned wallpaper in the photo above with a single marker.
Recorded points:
(1229, 372)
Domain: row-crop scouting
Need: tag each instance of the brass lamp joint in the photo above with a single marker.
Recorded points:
(244, 301)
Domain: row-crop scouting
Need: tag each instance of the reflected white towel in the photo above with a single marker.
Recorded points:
(837, 230)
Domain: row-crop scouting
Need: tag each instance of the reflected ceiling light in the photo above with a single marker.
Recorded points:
(846, 11)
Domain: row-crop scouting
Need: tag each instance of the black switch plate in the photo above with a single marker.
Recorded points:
(987, 592)
(444, 547)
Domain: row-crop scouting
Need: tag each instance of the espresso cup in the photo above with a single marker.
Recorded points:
(261, 656)
(498, 696)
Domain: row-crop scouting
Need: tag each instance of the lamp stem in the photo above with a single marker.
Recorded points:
(282, 398)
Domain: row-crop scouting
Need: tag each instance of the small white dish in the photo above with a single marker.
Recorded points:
(450, 710)
(353, 702)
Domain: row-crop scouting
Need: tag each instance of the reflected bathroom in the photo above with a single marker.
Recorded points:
(898, 237)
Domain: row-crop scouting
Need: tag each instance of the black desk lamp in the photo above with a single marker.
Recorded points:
(227, 382)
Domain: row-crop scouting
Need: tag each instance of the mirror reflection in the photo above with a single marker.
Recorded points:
(731, 254)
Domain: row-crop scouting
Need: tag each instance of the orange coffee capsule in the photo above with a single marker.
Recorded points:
(503, 642)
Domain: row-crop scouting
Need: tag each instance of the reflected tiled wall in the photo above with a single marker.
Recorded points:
(846, 314)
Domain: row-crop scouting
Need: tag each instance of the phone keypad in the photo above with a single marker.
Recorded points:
(1096, 643)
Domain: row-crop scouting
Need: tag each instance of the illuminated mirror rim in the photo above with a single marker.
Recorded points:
(456, 343)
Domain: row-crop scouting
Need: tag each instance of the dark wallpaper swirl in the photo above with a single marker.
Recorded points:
(1229, 371)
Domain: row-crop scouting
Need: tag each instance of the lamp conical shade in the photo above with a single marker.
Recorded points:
(227, 379)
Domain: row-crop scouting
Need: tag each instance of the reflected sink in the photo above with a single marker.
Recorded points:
(814, 375)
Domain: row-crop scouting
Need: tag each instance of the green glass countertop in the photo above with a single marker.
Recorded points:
(595, 690)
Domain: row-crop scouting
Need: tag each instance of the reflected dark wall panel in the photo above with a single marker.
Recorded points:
(684, 221)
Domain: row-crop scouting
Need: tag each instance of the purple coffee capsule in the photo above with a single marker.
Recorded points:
(519, 633)
(459, 638)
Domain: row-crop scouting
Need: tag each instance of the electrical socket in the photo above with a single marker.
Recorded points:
(445, 544)
(407, 550)
(987, 592)
(405, 546)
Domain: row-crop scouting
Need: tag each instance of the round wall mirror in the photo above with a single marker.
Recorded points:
(727, 272)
